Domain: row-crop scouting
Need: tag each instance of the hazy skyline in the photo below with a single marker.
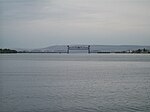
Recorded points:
(41, 23)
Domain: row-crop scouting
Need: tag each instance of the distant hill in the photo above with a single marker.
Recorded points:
(93, 48)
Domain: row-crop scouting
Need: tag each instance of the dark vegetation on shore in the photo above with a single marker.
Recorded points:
(7, 51)
(139, 51)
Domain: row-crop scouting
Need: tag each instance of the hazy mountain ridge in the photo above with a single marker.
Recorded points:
(93, 48)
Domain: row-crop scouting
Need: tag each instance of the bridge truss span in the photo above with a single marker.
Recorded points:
(78, 47)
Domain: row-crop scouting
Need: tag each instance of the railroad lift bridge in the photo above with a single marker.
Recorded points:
(78, 47)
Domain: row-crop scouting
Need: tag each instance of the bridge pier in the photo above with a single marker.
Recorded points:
(68, 49)
(89, 49)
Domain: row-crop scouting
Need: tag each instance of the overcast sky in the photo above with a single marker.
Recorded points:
(42, 23)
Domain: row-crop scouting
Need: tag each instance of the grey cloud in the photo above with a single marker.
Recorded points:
(75, 21)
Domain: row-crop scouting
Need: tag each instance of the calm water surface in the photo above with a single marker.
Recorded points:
(74, 83)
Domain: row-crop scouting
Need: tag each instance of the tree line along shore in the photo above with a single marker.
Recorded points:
(8, 51)
(141, 51)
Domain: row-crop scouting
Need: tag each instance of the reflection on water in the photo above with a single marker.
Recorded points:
(74, 83)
